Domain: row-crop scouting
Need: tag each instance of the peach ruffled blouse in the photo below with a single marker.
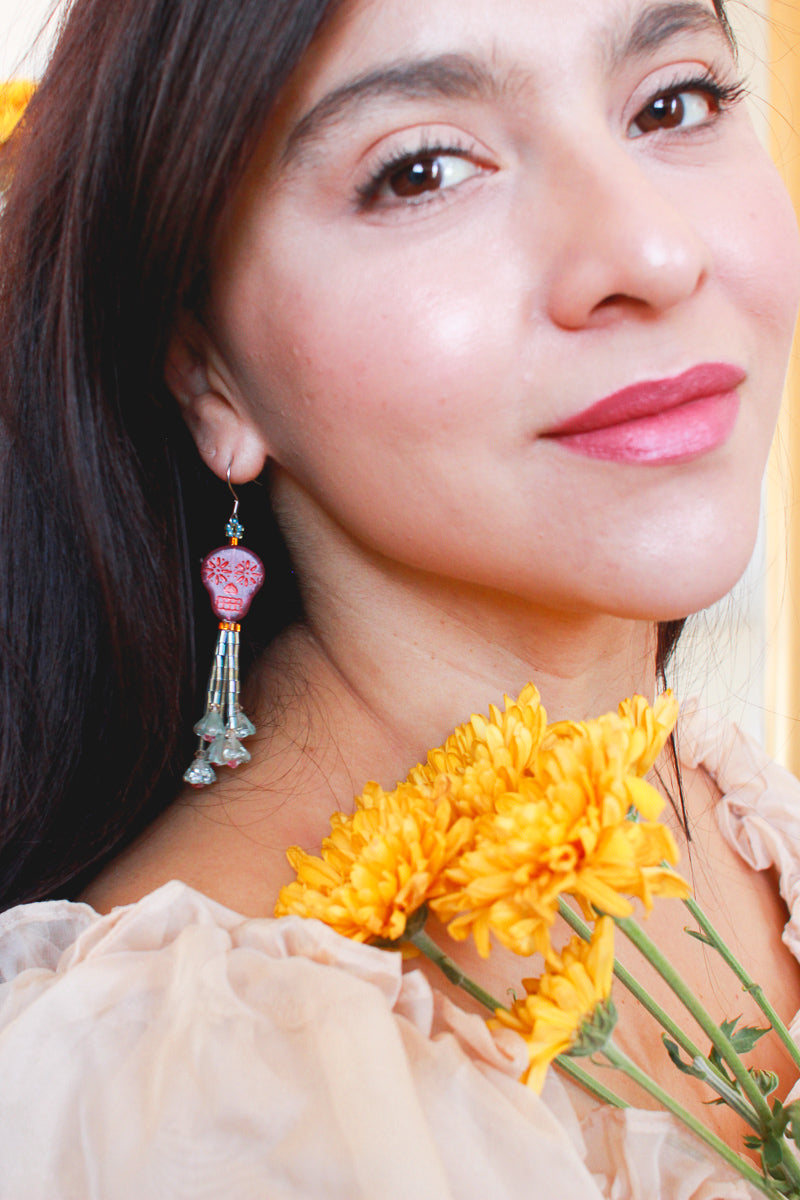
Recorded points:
(174, 1049)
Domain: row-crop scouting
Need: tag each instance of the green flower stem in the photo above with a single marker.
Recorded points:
(428, 947)
(651, 952)
(748, 983)
(632, 984)
(588, 1082)
(620, 1060)
(722, 1087)
(615, 1057)
(791, 1169)
(715, 1079)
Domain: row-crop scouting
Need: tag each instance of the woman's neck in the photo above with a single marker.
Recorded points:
(377, 677)
(369, 686)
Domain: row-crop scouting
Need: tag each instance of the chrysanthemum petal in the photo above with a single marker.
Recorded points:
(497, 824)
(565, 831)
(558, 1006)
(378, 866)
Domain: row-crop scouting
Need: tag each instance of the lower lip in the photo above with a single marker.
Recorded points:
(674, 435)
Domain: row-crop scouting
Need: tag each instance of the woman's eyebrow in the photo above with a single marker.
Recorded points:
(448, 76)
(661, 22)
(462, 76)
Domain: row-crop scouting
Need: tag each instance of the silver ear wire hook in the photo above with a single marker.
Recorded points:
(232, 492)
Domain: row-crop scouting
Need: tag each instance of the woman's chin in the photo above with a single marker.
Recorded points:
(680, 589)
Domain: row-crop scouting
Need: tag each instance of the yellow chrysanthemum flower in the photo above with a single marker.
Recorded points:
(498, 823)
(567, 1009)
(638, 731)
(566, 831)
(379, 865)
(14, 97)
(487, 757)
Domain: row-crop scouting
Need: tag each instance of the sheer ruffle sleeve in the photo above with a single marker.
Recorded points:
(759, 810)
(174, 1049)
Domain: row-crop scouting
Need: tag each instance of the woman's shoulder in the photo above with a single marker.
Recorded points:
(759, 805)
(176, 1047)
(758, 810)
(174, 1039)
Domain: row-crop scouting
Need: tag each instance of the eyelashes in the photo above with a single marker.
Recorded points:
(424, 172)
(680, 106)
(412, 175)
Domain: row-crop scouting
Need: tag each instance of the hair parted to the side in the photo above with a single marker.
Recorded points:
(138, 132)
(142, 126)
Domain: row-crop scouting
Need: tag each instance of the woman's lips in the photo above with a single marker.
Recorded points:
(658, 421)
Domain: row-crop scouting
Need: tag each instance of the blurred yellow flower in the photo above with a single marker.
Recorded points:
(487, 757)
(566, 831)
(567, 1009)
(379, 864)
(14, 97)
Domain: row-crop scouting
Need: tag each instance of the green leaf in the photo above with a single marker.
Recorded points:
(780, 1116)
(792, 1112)
(746, 1038)
(766, 1082)
(674, 1051)
(701, 937)
(743, 1040)
(728, 1027)
(772, 1154)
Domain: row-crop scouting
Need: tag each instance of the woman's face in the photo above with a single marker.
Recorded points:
(508, 295)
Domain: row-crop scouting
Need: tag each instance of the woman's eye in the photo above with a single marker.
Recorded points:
(675, 110)
(418, 175)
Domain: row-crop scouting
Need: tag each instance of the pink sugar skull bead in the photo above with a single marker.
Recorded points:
(232, 575)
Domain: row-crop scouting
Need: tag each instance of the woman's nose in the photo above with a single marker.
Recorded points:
(622, 240)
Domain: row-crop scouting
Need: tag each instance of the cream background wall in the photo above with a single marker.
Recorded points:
(20, 22)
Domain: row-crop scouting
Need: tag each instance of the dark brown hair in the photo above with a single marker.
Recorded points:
(141, 128)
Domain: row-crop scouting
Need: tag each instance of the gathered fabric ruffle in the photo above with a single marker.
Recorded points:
(177, 1049)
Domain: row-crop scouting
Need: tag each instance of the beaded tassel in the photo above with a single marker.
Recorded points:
(232, 576)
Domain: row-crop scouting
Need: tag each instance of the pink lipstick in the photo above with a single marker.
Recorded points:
(658, 421)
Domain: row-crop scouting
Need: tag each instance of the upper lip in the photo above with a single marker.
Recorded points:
(652, 396)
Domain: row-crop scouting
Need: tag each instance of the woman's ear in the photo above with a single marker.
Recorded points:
(220, 423)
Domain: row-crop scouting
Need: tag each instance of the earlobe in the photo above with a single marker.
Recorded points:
(223, 430)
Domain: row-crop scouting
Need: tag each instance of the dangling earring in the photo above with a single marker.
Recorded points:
(232, 576)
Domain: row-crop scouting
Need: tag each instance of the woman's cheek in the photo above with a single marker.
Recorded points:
(754, 233)
(402, 352)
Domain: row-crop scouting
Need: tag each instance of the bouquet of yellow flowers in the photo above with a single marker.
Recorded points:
(510, 824)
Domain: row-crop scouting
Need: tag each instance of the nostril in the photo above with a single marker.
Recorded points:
(620, 298)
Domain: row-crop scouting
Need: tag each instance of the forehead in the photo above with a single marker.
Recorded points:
(364, 29)
(369, 46)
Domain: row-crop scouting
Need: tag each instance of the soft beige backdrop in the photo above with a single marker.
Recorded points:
(783, 478)
(20, 22)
